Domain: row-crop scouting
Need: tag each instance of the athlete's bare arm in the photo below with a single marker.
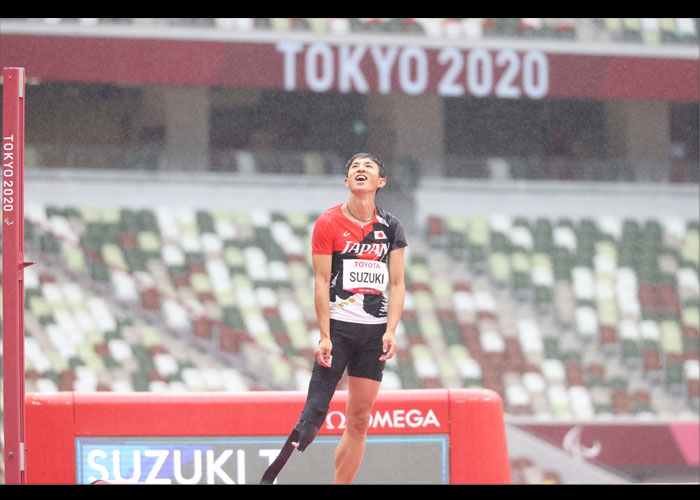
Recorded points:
(322, 279)
(397, 292)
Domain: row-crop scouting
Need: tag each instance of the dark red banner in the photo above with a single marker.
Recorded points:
(625, 445)
(353, 67)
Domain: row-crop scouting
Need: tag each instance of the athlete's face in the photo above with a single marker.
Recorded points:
(364, 175)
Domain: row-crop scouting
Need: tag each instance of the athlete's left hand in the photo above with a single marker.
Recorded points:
(388, 346)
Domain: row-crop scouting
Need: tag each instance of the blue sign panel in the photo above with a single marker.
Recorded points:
(389, 459)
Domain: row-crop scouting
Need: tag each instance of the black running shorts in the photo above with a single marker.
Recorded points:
(356, 347)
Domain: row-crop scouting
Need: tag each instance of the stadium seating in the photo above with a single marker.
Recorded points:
(592, 295)
(649, 31)
(561, 317)
(566, 319)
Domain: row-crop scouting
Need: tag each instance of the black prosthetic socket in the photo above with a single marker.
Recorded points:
(307, 433)
(300, 438)
(321, 389)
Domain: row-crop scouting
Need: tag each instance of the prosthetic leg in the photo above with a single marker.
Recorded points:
(321, 389)
(301, 436)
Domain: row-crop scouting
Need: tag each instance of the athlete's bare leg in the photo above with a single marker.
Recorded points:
(362, 393)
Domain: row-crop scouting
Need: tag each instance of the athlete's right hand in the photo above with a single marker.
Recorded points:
(323, 352)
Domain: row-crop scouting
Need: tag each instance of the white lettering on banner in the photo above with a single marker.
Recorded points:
(289, 50)
(177, 468)
(207, 465)
(319, 67)
(384, 61)
(394, 419)
(413, 70)
(477, 72)
(350, 77)
(161, 456)
(8, 166)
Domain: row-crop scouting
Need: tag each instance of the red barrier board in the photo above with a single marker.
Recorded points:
(450, 436)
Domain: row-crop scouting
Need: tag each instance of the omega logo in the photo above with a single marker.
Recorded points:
(395, 419)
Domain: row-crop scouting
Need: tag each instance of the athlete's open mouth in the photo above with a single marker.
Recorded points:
(361, 178)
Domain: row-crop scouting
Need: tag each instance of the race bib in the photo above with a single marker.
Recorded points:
(365, 276)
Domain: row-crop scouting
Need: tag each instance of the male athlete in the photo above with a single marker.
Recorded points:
(357, 255)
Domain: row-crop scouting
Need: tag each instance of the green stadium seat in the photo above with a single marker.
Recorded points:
(565, 28)
(314, 24)
(667, 25)
(631, 29)
(436, 232)
(468, 368)
(166, 365)
(564, 303)
(35, 357)
(499, 261)
(559, 402)
(391, 381)
(478, 238)
(405, 370)
(492, 342)
(671, 337)
(691, 373)
(535, 384)
(530, 338)
(175, 314)
(450, 28)
(687, 29)
(640, 398)
(46, 385)
(651, 348)
(613, 26)
(543, 280)
(423, 363)
(690, 251)
(626, 295)
(530, 26)
(583, 284)
(581, 403)
(417, 272)
(650, 30)
(429, 326)
(631, 344)
(517, 399)
(586, 322)
(86, 379)
(423, 301)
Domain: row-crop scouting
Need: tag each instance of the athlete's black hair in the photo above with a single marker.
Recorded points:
(382, 168)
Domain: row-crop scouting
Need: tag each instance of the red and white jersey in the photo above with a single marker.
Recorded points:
(359, 273)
